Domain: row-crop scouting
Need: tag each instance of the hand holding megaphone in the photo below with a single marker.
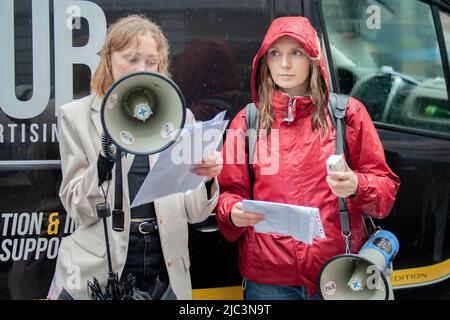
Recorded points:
(106, 159)
(108, 149)
(342, 181)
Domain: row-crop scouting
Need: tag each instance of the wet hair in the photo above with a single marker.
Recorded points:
(123, 33)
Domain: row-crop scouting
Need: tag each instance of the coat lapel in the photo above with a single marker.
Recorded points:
(95, 114)
(95, 117)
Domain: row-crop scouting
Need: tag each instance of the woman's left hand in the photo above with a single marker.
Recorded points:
(210, 167)
(343, 184)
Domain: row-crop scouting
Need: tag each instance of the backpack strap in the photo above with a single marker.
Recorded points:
(337, 106)
(252, 124)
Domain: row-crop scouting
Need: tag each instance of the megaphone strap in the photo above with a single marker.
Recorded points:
(374, 226)
(118, 215)
(337, 106)
(345, 225)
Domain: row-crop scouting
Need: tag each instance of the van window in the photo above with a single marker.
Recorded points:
(445, 21)
(386, 55)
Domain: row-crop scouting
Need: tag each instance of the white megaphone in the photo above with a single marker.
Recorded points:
(361, 276)
(143, 113)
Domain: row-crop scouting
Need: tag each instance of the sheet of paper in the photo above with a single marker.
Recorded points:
(300, 222)
(171, 172)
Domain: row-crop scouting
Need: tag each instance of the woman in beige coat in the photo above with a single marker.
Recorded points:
(133, 44)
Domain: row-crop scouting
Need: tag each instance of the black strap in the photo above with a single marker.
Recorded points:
(118, 215)
(252, 123)
(337, 106)
(118, 185)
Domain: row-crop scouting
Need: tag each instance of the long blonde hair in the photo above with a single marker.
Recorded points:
(317, 90)
(123, 33)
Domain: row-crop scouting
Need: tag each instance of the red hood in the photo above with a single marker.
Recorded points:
(297, 28)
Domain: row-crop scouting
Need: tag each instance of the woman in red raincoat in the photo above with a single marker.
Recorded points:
(290, 89)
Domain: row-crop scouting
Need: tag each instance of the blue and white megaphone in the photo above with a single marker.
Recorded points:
(361, 276)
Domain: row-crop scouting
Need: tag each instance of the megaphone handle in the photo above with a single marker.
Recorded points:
(106, 143)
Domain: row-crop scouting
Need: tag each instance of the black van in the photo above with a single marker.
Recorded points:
(392, 55)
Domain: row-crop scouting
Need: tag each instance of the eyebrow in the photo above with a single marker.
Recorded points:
(296, 48)
(134, 53)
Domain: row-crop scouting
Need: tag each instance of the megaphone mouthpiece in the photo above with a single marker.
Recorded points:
(359, 278)
(139, 104)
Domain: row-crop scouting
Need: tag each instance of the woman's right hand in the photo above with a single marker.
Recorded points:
(241, 218)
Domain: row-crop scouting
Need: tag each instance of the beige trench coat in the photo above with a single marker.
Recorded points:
(82, 255)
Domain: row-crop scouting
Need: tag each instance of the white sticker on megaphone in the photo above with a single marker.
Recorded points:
(127, 137)
(167, 130)
(330, 288)
(112, 101)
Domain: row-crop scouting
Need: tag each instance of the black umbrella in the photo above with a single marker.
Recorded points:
(126, 290)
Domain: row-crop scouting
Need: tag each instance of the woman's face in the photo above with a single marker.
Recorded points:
(289, 66)
(143, 57)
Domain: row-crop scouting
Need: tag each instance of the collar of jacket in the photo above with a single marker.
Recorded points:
(95, 114)
(290, 109)
(96, 103)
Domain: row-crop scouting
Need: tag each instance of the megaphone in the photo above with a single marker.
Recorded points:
(361, 276)
(143, 113)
